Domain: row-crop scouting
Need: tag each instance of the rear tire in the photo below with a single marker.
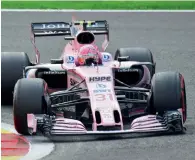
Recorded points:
(12, 65)
(168, 93)
(137, 54)
(29, 97)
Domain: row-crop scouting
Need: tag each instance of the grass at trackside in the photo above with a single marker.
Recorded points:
(98, 5)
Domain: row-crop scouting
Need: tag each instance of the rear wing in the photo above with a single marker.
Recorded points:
(64, 28)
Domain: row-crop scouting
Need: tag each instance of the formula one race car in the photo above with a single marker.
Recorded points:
(87, 91)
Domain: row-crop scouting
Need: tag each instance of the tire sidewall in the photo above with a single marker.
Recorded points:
(170, 96)
(30, 103)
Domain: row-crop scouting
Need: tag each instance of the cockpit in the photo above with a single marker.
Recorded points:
(88, 55)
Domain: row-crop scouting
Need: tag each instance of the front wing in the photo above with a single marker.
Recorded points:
(57, 128)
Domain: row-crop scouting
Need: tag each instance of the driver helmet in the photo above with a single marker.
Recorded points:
(88, 55)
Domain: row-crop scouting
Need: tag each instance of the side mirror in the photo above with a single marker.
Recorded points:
(57, 61)
(125, 58)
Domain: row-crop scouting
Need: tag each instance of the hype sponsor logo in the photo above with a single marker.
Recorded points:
(100, 79)
(101, 88)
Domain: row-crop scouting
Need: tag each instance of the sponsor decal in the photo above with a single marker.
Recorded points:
(101, 88)
(98, 85)
(54, 32)
(52, 26)
(106, 58)
(100, 79)
(89, 23)
(127, 70)
(54, 72)
(70, 59)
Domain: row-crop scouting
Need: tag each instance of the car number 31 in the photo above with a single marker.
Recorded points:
(104, 97)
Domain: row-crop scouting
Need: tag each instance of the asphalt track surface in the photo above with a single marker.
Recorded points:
(171, 38)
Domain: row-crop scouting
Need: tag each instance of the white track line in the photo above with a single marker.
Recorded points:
(88, 10)
(39, 146)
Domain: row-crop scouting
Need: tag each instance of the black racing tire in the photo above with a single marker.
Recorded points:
(12, 65)
(29, 97)
(137, 54)
(168, 93)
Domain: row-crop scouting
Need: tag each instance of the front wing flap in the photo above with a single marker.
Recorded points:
(58, 127)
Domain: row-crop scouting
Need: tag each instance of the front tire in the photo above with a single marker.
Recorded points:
(29, 97)
(169, 93)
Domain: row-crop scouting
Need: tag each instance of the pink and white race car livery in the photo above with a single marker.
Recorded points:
(90, 91)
